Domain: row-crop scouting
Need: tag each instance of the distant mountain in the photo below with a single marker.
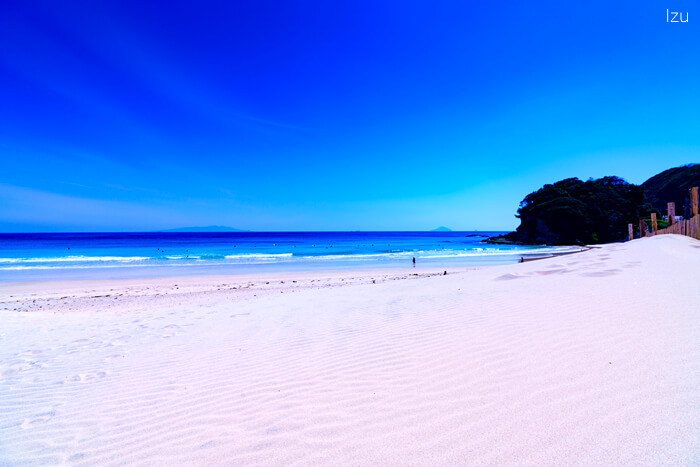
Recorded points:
(673, 185)
(208, 228)
(442, 228)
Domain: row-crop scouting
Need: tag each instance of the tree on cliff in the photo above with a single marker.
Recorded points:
(673, 185)
(574, 212)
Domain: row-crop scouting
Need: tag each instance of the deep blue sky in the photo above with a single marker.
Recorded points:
(331, 115)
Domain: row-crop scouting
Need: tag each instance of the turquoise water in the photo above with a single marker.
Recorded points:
(121, 255)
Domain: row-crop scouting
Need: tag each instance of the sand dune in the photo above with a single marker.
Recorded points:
(585, 359)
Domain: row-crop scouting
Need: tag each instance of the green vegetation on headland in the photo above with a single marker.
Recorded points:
(672, 185)
(571, 211)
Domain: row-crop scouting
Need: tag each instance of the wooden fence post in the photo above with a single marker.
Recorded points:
(671, 212)
(693, 227)
(654, 225)
(694, 200)
(642, 228)
(630, 229)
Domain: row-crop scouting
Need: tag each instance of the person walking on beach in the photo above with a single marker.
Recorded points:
(414, 261)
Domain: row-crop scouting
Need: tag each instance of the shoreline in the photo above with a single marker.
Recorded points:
(155, 285)
(53, 293)
(122, 273)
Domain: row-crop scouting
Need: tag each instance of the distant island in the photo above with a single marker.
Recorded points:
(208, 228)
(442, 228)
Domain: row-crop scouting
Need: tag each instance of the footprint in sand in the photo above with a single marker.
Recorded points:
(88, 377)
(606, 273)
(508, 277)
(15, 367)
(38, 419)
(7, 372)
(551, 271)
(121, 340)
(171, 330)
(207, 445)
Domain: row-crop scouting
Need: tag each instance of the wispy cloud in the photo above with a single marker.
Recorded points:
(20, 206)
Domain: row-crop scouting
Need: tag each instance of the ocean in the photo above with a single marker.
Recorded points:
(63, 256)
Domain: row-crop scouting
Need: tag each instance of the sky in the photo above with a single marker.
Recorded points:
(280, 116)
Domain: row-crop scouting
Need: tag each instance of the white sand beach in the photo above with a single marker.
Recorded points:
(586, 359)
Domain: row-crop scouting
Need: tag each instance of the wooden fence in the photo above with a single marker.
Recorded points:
(688, 227)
